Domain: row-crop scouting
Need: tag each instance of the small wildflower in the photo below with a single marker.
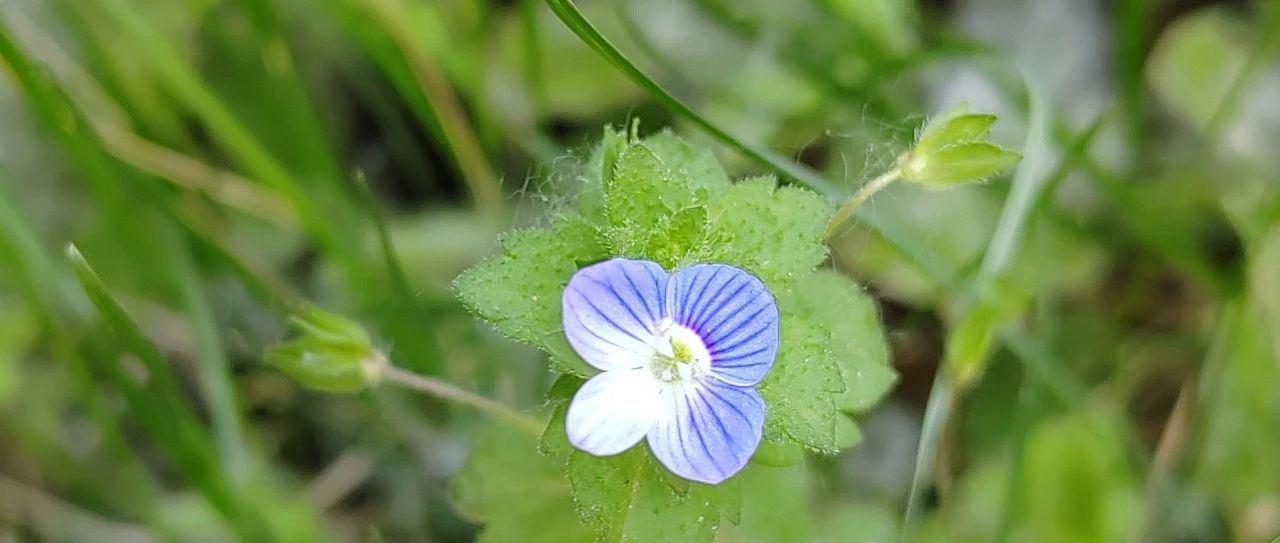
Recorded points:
(680, 355)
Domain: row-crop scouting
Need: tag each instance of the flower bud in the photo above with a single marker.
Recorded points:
(330, 353)
(953, 149)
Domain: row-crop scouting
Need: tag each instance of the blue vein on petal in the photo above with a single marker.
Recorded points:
(624, 305)
(610, 321)
(699, 312)
(597, 334)
(643, 300)
(715, 415)
(688, 307)
(693, 421)
(715, 348)
(698, 321)
(731, 405)
(720, 362)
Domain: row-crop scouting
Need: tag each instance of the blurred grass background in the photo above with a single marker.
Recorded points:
(1110, 318)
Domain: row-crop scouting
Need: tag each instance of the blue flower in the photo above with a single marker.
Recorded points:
(680, 355)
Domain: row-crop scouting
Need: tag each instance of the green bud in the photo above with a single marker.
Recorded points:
(331, 353)
(953, 149)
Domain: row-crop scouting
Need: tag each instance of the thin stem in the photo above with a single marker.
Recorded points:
(936, 413)
(862, 195)
(394, 269)
(1172, 439)
(447, 391)
(459, 136)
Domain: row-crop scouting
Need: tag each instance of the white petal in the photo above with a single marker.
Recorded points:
(613, 411)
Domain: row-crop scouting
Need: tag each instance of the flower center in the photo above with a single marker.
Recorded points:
(681, 355)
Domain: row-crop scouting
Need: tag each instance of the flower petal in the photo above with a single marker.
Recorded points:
(707, 431)
(613, 411)
(611, 312)
(735, 315)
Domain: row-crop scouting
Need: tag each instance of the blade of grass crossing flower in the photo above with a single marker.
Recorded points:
(568, 13)
(157, 404)
(578, 23)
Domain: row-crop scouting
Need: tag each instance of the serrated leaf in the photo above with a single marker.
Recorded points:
(630, 497)
(805, 385)
(775, 233)
(677, 237)
(833, 358)
(697, 165)
(857, 341)
(598, 168)
(518, 492)
(519, 291)
(958, 163)
(645, 207)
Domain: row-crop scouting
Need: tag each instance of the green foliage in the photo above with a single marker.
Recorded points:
(520, 493)
(519, 292)
(952, 149)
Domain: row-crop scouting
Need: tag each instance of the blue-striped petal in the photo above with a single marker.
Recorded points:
(735, 315)
(707, 431)
(612, 310)
(613, 411)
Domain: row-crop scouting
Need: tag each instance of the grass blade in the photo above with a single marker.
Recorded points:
(915, 250)
(157, 404)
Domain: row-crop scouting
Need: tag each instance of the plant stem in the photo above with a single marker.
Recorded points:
(862, 195)
(936, 413)
(447, 391)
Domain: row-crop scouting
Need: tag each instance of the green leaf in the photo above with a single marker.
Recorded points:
(697, 165)
(775, 233)
(857, 337)
(958, 163)
(833, 358)
(519, 492)
(653, 210)
(519, 291)
(159, 404)
(805, 386)
(778, 449)
(600, 167)
(630, 497)
(777, 505)
(1080, 459)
